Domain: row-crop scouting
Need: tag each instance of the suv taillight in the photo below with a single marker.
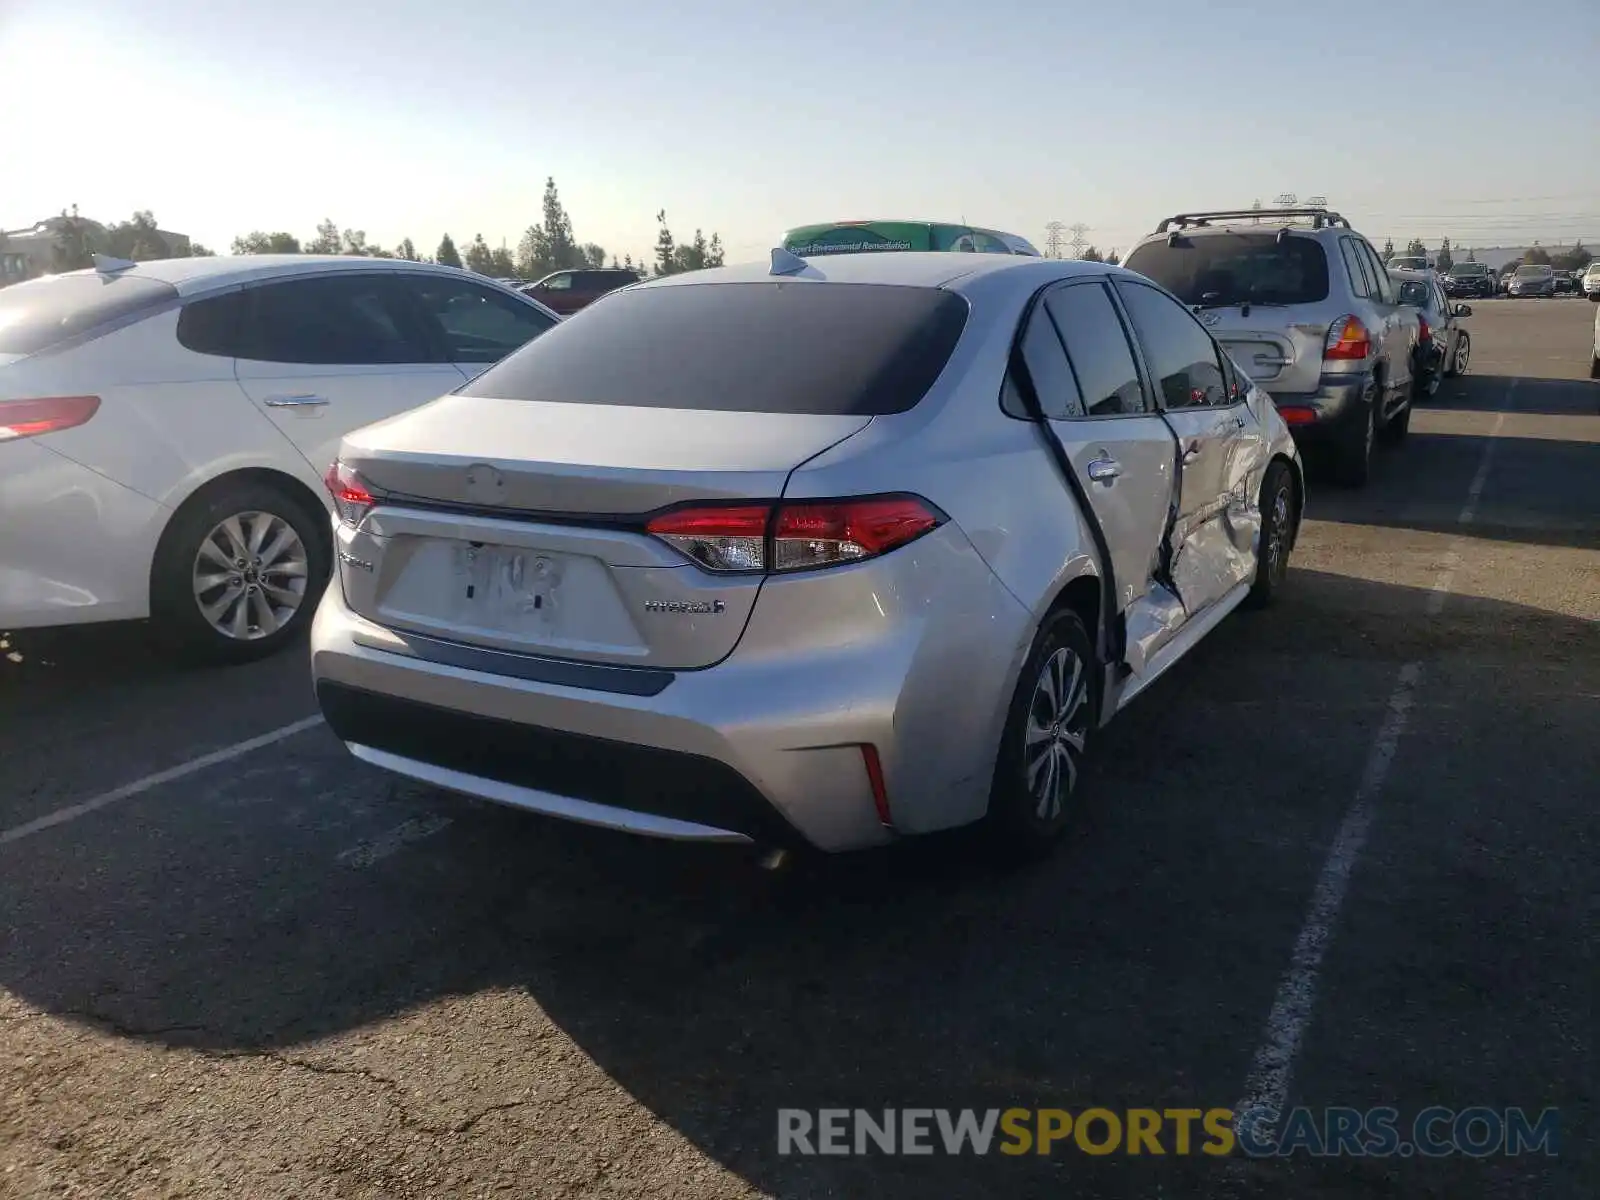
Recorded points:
(1347, 339)
(351, 496)
(1424, 332)
(49, 414)
(794, 536)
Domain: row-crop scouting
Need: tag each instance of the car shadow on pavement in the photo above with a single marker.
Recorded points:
(1132, 969)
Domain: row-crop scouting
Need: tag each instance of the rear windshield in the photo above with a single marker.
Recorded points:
(1534, 272)
(779, 347)
(1469, 269)
(1414, 293)
(36, 315)
(1235, 268)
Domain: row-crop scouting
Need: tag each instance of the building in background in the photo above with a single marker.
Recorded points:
(30, 252)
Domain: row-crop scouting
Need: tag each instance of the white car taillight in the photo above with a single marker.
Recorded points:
(48, 414)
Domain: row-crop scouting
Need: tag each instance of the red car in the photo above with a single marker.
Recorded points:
(568, 291)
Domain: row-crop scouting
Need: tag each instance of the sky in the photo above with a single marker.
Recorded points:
(1478, 121)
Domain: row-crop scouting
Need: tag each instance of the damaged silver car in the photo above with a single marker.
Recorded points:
(820, 552)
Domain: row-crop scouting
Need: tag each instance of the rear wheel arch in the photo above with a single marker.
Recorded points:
(291, 488)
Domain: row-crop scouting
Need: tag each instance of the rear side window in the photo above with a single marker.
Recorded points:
(1236, 268)
(344, 320)
(43, 312)
(779, 347)
(1355, 265)
(1047, 367)
(1098, 346)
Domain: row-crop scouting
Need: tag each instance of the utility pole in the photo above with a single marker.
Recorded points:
(1054, 239)
(1079, 242)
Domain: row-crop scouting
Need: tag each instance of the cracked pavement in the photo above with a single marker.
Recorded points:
(285, 975)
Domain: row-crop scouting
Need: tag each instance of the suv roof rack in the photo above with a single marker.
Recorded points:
(1319, 217)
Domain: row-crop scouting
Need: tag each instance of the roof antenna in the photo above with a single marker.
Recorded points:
(107, 265)
(786, 263)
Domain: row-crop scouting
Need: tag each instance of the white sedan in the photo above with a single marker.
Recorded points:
(165, 428)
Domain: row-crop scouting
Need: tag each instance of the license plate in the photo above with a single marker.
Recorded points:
(503, 587)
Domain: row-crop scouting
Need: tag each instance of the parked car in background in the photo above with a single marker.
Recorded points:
(1506, 272)
(1444, 348)
(1594, 366)
(1566, 283)
(1533, 279)
(1468, 279)
(1305, 305)
(165, 427)
(1591, 281)
(823, 552)
(566, 292)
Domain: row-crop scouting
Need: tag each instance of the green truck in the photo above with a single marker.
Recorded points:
(864, 237)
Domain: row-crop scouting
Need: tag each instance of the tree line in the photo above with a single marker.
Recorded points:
(547, 246)
(1576, 258)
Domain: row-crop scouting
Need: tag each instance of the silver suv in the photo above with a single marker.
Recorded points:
(1305, 305)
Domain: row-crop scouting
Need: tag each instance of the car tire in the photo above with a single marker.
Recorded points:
(1459, 361)
(1352, 455)
(1045, 731)
(209, 611)
(1280, 526)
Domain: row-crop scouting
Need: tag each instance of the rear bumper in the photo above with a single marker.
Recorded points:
(1315, 418)
(74, 546)
(764, 747)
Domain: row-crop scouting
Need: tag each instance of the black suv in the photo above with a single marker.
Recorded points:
(1473, 279)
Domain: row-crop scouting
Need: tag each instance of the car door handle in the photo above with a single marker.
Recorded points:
(306, 400)
(1191, 452)
(1104, 470)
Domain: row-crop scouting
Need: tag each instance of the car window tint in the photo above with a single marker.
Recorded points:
(1097, 347)
(39, 313)
(562, 282)
(1180, 354)
(215, 324)
(1047, 368)
(1360, 277)
(775, 347)
(476, 324)
(347, 320)
(1380, 274)
(1235, 267)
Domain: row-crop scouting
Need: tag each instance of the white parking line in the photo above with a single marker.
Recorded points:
(1469, 509)
(364, 854)
(128, 790)
(1267, 1084)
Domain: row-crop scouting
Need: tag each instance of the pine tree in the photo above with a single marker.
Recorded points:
(559, 243)
(666, 248)
(406, 250)
(479, 258)
(447, 254)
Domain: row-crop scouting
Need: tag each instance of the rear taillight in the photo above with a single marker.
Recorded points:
(1347, 339)
(794, 536)
(1424, 333)
(350, 495)
(49, 414)
(1297, 416)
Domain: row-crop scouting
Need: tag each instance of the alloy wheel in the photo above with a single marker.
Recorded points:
(1278, 533)
(250, 575)
(1463, 354)
(1058, 725)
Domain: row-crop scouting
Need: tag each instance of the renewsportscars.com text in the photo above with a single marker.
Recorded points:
(1319, 1133)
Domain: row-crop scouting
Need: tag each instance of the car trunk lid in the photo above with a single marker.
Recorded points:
(520, 525)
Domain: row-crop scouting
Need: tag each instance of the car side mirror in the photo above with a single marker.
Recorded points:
(1463, 310)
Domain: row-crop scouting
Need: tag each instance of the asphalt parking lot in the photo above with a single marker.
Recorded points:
(1344, 854)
